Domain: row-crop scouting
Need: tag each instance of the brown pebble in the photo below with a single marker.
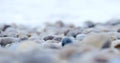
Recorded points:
(48, 38)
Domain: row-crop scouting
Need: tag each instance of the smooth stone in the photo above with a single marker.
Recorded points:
(96, 39)
(113, 35)
(90, 24)
(48, 38)
(66, 41)
(116, 44)
(27, 46)
(6, 40)
(80, 37)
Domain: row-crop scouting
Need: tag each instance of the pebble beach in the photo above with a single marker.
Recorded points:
(61, 43)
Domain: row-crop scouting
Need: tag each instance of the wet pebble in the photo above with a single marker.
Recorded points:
(116, 44)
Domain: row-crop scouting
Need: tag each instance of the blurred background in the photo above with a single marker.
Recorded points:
(36, 12)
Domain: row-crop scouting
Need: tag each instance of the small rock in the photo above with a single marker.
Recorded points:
(27, 46)
(58, 39)
(96, 40)
(48, 38)
(106, 45)
(6, 40)
(118, 36)
(112, 35)
(80, 37)
(66, 41)
(74, 32)
(59, 24)
(116, 44)
(5, 27)
(90, 24)
(113, 22)
(118, 30)
(52, 46)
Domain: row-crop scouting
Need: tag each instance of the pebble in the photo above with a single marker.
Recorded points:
(73, 33)
(58, 39)
(118, 30)
(80, 37)
(96, 40)
(27, 46)
(118, 36)
(114, 22)
(106, 45)
(61, 43)
(6, 40)
(116, 44)
(5, 27)
(48, 38)
(66, 41)
(89, 24)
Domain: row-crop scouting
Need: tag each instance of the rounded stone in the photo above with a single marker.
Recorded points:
(96, 40)
(27, 46)
(80, 37)
(48, 38)
(66, 41)
(6, 40)
(116, 44)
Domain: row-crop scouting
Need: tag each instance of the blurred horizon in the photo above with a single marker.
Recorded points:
(37, 12)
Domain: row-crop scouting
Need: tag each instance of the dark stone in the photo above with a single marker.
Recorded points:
(48, 38)
(101, 60)
(58, 38)
(73, 33)
(106, 45)
(113, 22)
(89, 24)
(5, 27)
(66, 41)
(23, 38)
(117, 46)
(118, 30)
(66, 32)
(6, 40)
(5, 36)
